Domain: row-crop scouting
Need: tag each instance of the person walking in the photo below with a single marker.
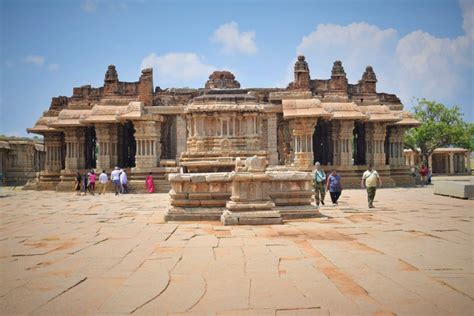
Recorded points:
(78, 183)
(319, 182)
(369, 181)
(423, 175)
(92, 177)
(334, 186)
(115, 177)
(85, 182)
(150, 186)
(103, 180)
(124, 181)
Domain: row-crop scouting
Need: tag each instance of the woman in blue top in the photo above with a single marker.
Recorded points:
(334, 186)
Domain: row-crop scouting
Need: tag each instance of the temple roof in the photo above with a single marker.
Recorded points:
(407, 119)
(344, 111)
(304, 108)
(379, 113)
(69, 118)
(42, 125)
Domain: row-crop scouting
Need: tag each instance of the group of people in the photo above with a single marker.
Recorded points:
(333, 184)
(86, 182)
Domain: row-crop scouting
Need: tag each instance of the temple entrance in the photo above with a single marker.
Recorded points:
(359, 144)
(126, 145)
(322, 145)
(90, 148)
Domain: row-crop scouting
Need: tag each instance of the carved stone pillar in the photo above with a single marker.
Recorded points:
(272, 138)
(342, 136)
(451, 163)
(396, 147)
(302, 130)
(375, 137)
(107, 139)
(180, 135)
(53, 143)
(75, 148)
(147, 137)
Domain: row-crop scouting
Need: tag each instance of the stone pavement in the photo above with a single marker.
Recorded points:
(67, 255)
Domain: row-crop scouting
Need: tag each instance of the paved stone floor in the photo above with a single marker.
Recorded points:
(67, 255)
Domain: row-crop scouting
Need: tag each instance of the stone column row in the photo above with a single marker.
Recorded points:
(272, 144)
(302, 130)
(342, 138)
(107, 138)
(147, 137)
(53, 143)
(396, 147)
(75, 148)
(375, 134)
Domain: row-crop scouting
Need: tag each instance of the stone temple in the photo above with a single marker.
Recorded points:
(223, 148)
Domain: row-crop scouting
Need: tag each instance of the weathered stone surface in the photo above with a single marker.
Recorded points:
(458, 189)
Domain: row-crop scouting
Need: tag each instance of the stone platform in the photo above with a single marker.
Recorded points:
(457, 189)
(63, 254)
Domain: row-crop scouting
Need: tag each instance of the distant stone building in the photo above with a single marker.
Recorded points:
(443, 160)
(135, 125)
(20, 160)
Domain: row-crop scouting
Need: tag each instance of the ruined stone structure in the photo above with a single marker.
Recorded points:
(203, 133)
(20, 160)
(442, 160)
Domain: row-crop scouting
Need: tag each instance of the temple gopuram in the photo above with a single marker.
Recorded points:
(175, 133)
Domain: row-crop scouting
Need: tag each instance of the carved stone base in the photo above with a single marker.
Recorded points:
(251, 218)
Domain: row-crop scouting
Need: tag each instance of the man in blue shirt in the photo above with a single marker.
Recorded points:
(319, 181)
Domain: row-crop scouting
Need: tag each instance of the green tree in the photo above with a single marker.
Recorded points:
(440, 127)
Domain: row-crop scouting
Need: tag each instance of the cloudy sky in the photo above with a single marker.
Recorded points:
(418, 48)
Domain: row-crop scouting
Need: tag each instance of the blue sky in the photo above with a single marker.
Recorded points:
(417, 48)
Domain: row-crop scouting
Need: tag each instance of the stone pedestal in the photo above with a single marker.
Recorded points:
(250, 195)
(375, 134)
(147, 136)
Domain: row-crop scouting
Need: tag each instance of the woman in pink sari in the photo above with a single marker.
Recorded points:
(149, 183)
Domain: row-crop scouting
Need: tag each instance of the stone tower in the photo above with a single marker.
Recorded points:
(301, 71)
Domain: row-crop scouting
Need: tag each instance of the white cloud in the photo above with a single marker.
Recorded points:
(178, 69)
(467, 7)
(418, 65)
(53, 67)
(233, 41)
(89, 6)
(36, 60)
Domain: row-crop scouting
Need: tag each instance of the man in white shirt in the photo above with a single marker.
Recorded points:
(103, 179)
(369, 181)
(319, 182)
(115, 177)
(124, 181)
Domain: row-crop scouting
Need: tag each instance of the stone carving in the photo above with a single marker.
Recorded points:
(368, 83)
(111, 74)
(222, 80)
(302, 77)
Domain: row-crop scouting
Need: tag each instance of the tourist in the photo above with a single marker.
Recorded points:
(369, 181)
(124, 181)
(85, 183)
(430, 174)
(150, 186)
(334, 186)
(423, 175)
(78, 183)
(92, 177)
(319, 181)
(115, 177)
(103, 180)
